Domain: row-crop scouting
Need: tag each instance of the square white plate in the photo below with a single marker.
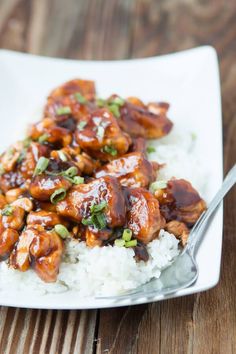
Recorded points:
(189, 80)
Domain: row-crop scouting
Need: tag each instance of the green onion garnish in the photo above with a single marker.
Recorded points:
(7, 211)
(43, 138)
(96, 208)
(22, 156)
(26, 142)
(87, 221)
(61, 230)
(119, 101)
(58, 195)
(119, 242)
(71, 172)
(80, 98)
(81, 125)
(127, 235)
(150, 149)
(41, 166)
(78, 180)
(100, 102)
(131, 243)
(62, 156)
(158, 185)
(114, 109)
(63, 110)
(109, 150)
(99, 221)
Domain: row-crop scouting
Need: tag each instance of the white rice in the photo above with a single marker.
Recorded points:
(111, 270)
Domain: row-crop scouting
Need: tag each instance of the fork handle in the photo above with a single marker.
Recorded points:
(196, 234)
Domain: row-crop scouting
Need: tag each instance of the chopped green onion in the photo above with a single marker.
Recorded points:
(109, 150)
(71, 172)
(114, 109)
(87, 221)
(127, 235)
(100, 102)
(22, 156)
(82, 125)
(119, 242)
(43, 138)
(26, 142)
(2, 171)
(58, 195)
(80, 98)
(63, 110)
(118, 101)
(61, 230)
(41, 166)
(131, 243)
(95, 208)
(99, 220)
(158, 185)
(7, 211)
(150, 149)
(62, 156)
(78, 180)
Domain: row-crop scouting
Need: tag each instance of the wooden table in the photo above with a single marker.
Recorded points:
(117, 29)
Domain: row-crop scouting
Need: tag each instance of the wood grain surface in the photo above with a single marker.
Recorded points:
(117, 29)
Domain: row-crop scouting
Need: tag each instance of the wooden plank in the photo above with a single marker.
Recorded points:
(94, 29)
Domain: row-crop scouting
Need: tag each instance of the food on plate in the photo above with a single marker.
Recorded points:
(82, 191)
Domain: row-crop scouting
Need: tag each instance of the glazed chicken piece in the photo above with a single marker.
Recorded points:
(180, 201)
(143, 216)
(47, 219)
(73, 99)
(138, 145)
(3, 201)
(44, 185)
(132, 170)
(141, 121)
(101, 137)
(179, 229)
(8, 238)
(95, 237)
(49, 131)
(79, 200)
(19, 164)
(40, 249)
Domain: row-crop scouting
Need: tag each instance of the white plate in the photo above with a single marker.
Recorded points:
(188, 80)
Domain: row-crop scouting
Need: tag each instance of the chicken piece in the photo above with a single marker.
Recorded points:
(80, 198)
(45, 254)
(29, 158)
(96, 237)
(45, 184)
(8, 238)
(179, 229)
(143, 216)
(24, 203)
(20, 257)
(3, 201)
(13, 217)
(180, 201)
(158, 107)
(47, 130)
(23, 167)
(101, 136)
(138, 145)
(139, 121)
(47, 219)
(14, 194)
(75, 95)
(132, 170)
(85, 87)
(86, 164)
(40, 249)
